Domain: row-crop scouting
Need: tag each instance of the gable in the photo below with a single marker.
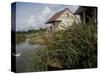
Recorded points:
(61, 16)
(67, 16)
(55, 17)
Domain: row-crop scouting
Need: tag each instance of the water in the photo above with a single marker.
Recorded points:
(25, 46)
(24, 60)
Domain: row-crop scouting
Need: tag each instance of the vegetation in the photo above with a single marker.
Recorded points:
(73, 48)
(34, 36)
(20, 37)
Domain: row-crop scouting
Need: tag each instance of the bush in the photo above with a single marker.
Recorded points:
(20, 37)
(73, 48)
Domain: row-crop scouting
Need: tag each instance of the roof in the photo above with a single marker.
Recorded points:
(81, 9)
(56, 16)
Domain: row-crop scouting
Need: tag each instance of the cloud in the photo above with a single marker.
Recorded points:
(38, 21)
(46, 11)
(35, 19)
(31, 19)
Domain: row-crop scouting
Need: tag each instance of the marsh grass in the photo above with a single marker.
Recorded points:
(20, 37)
(73, 48)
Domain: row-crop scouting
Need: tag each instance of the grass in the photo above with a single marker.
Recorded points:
(20, 37)
(33, 36)
(73, 48)
(36, 39)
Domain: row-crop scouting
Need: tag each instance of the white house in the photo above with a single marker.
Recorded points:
(62, 19)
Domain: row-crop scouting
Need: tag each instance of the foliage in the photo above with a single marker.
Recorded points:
(20, 37)
(75, 47)
(34, 36)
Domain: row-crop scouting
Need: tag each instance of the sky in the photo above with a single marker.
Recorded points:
(34, 15)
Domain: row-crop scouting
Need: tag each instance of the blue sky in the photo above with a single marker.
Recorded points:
(34, 15)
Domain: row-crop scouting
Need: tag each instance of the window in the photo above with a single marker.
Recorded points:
(67, 14)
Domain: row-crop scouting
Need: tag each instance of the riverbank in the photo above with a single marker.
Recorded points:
(20, 37)
(32, 38)
(38, 38)
(73, 48)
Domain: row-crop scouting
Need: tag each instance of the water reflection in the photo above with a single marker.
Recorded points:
(25, 59)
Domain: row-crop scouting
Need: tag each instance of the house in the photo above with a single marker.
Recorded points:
(87, 13)
(62, 19)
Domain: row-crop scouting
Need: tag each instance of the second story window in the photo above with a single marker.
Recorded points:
(67, 14)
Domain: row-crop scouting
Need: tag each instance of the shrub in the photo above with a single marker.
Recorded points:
(75, 47)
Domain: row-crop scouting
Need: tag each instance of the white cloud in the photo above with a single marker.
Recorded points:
(37, 21)
(46, 11)
(31, 19)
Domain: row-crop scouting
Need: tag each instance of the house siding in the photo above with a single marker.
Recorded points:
(62, 19)
(67, 19)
